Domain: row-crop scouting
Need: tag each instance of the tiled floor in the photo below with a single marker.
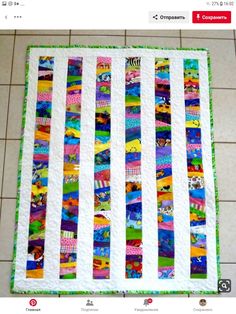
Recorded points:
(222, 46)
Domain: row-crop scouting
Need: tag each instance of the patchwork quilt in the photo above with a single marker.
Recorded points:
(116, 182)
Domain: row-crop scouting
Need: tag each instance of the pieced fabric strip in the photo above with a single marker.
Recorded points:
(165, 216)
(70, 202)
(38, 204)
(195, 169)
(133, 168)
(102, 200)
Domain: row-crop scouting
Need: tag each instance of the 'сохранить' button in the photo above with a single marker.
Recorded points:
(216, 17)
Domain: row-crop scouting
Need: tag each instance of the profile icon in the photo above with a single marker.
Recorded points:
(203, 302)
(89, 303)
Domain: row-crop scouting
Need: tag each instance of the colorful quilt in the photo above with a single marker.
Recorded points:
(116, 183)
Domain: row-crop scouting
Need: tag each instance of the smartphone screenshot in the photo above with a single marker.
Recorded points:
(117, 156)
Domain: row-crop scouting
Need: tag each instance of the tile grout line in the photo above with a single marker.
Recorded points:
(1, 201)
(72, 35)
(202, 38)
(225, 88)
(180, 39)
(235, 41)
(8, 105)
(8, 198)
(69, 37)
(48, 34)
(114, 35)
(12, 84)
(223, 142)
(10, 139)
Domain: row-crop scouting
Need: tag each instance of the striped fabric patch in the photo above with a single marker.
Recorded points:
(164, 169)
(70, 202)
(38, 204)
(102, 202)
(196, 183)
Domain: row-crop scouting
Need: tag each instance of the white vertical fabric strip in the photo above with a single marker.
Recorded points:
(55, 173)
(86, 177)
(148, 169)
(118, 204)
(179, 172)
(26, 175)
(208, 174)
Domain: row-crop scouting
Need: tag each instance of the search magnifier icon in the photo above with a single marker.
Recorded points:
(224, 285)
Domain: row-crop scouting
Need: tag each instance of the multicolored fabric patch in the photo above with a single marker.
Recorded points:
(102, 201)
(164, 169)
(38, 206)
(195, 170)
(70, 204)
(133, 168)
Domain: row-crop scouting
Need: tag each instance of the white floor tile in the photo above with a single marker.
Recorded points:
(6, 51)
(15, 112)
(223, 59)
(208, 33)
(4, 91)
(153, 32)
(225, 169)
(7, 227)
(224, 110)
(98, 40)
(2, 147)
(20, 52)
(227, 232)
(7, 32)
(97, 32)
(163, 42)
(228, 271)
(11, 167)
(43, 32)
(5, 277)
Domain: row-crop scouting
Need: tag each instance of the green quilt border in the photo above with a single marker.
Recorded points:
(138, 292)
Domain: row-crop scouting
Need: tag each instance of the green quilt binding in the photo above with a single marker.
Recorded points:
(137, 292)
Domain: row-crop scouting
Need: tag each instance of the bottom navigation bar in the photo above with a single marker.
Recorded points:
(129, 304)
